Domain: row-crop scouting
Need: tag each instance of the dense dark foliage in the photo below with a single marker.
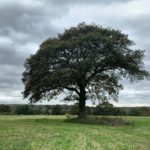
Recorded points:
(5, 109)
(87, 61)
(57, 110)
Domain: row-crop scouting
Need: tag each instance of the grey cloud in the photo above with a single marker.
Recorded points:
(29, 21)
(23, 17)
(88, 1)
(11, 57)
(10, 78)
(23, 26)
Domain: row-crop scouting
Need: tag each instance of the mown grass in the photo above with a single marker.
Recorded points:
(53, 133)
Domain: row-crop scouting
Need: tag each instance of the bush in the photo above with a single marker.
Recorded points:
(74, 109)
(4, 109)
(57, 110)
(23, 110)
(111, 121)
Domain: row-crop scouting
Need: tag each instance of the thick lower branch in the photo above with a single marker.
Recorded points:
(72, 89)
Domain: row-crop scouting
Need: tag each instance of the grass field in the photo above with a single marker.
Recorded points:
(52, 133)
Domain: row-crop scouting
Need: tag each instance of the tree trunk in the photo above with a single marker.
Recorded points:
(82, 99)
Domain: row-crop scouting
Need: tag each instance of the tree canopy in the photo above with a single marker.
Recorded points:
(87, 61)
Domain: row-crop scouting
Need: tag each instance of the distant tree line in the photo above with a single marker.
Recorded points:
(101, 109)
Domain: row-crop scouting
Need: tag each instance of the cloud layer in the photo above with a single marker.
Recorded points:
(25, 24)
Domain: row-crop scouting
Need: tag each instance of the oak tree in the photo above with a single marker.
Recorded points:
(87, 61)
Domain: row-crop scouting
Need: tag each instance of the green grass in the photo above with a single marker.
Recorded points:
(52, 133)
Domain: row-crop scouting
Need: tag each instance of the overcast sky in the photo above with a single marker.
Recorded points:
(25, 24)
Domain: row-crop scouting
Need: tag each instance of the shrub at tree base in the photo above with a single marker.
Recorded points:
(100, 121)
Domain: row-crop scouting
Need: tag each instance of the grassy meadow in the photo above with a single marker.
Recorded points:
(52, 133)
